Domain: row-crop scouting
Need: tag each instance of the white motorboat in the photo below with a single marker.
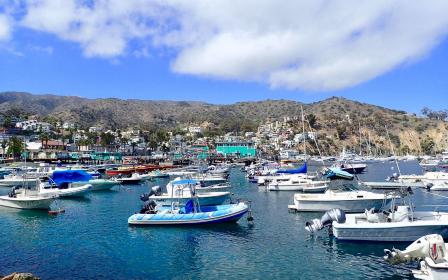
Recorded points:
(133, 180)
(344, 197)
(263, 180)
(181, 191)
(27, 198)
(66, 190)
(297, 183)
(400, 223)
(98, 184)
(430, 251)
(435, 181)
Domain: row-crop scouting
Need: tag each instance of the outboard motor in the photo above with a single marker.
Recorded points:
(156, 190)
(149, 207)
(327, 219)
(429, 186)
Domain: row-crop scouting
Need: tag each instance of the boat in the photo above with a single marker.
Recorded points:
(344, 196)
(352, 168)
(334, 173)
(134, 179)
(61, 184)
(297, 184)
(184, 216)
(158, 174)
(27, 198)
(435, 181)
(179, 191)
(193, 213)
(399, 223)
(430, 251)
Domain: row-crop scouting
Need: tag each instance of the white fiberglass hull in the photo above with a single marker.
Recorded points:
(427, 272)
(352, 206)
(99, 184)
(392, 231)
(27, 203)
(69, 192)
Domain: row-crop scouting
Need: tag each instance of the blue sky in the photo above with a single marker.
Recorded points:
(44, 60)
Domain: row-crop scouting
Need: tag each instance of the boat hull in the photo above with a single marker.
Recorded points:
(42, 203)
(203, 218)
(389, 232)
(350, 206)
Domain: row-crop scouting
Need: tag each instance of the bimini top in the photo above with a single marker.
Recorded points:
(70, 176)
(185, 182)
(302, 169)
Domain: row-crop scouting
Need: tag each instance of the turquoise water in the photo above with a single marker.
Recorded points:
(92, 240)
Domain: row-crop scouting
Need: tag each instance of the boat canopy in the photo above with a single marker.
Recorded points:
(70, 176)
(185, 182)
(302, 169)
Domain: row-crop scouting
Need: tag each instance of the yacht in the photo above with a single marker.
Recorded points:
(297, 183)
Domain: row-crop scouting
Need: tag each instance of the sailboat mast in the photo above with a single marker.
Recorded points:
(303, 133)
(360, 140)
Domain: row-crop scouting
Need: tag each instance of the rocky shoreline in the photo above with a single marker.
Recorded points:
(19, 276)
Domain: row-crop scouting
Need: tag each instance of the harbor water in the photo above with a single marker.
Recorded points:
(93, 240)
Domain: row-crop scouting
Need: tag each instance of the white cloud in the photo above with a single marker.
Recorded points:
(5, 27)
(311, 45)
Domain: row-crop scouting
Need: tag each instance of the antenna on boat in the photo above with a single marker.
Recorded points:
(303, 133)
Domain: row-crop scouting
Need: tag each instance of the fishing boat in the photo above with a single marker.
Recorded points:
(61, 184)
(179, 191)
(430, 251)
(343, 196)
(399, 223)
(27, 198)
(193, 213)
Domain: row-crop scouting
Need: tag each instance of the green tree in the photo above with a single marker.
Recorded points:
(107, 139)
(312, 120)
(427, 145)
(15, 147)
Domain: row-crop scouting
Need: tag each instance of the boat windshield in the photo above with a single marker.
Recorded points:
(345, 187)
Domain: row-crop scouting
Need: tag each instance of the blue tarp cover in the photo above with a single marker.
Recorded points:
(70, 176)
(302, 169)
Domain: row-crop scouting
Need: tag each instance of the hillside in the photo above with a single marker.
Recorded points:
(338, 120)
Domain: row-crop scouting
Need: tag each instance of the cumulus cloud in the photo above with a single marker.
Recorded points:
(312, 45)
(5, 27)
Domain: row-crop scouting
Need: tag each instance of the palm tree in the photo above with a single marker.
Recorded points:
(4, 144)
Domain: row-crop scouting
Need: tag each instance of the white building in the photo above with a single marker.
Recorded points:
(195, 129)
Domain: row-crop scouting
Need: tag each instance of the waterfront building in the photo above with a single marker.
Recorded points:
(236, 148)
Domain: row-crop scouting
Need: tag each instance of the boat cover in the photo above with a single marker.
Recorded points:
(302, 169)
(337, 173)
(70, 176)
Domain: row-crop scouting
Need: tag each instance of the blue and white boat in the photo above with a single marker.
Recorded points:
(191, 215)
(180, 191)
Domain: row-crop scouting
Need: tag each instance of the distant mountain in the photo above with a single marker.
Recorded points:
(338, 118)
